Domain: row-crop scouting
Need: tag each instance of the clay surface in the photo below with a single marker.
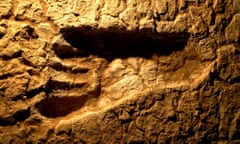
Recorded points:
(119, 71)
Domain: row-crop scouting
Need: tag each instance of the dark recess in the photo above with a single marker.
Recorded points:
(17, 117)
(60, 106)
(119, 44)
(57, 106)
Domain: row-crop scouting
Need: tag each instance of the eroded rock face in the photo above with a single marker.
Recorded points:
(123, 71)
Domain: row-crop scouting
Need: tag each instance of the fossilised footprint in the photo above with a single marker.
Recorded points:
(80, 60)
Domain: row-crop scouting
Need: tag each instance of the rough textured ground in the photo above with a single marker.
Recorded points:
(120, 71)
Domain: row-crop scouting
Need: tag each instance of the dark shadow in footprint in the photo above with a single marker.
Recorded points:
(120, 44)
(60, 106)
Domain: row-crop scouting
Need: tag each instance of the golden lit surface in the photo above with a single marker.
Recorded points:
(123, 71)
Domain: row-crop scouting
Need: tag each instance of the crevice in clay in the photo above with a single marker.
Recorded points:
(119, 44)
(58, 106)
(62, 106)
(19, 116)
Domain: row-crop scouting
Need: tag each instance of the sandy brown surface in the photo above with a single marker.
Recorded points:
(119, 71)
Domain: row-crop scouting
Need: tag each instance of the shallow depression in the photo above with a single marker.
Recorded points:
(105, 44)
